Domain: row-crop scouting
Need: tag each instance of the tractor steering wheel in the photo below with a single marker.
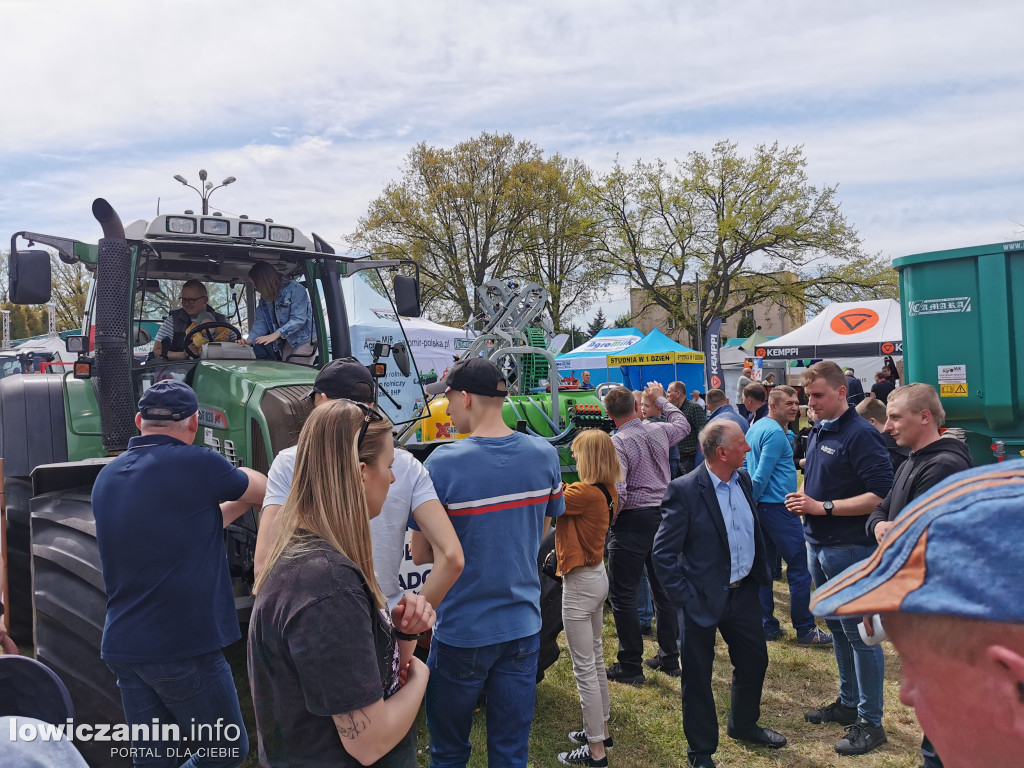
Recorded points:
(205, 327)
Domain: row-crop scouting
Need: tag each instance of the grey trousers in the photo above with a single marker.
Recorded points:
(584, 590)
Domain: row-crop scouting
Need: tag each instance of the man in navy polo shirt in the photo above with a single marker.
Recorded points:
(847, 474)
(160, 508)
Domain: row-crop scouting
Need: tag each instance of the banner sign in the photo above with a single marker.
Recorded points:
(939, 306)
(657, 358)
(830, 351)
(712, 342)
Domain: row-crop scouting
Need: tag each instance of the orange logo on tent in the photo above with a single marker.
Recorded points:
(888, 348)
(761, 352)
(716, 382)
(854, 321)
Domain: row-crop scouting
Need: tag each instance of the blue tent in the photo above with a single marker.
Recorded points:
(593, 355)
(656, 357)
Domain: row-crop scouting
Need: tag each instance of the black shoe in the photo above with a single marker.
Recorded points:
(646, 630)
(617, 674)
(775, 633)
(764, 737)
(814, 636)
(700, 762)
(861, 737)
(836, 712)
(582, 756)
(580, 737)
(655, 663)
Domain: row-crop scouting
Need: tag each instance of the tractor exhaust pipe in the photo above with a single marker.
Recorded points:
(108, 218)
(113, 374)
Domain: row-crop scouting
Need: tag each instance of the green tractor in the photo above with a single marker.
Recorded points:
(58, 430)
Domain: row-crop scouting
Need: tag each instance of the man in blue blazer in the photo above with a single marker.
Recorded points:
(709, 555)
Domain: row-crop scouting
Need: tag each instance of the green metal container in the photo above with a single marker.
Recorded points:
(963, 333)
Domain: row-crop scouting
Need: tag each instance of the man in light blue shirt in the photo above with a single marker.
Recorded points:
(739, 524)
(710, 558)
(773, 474)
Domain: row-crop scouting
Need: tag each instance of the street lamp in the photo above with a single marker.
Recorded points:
(207, 190)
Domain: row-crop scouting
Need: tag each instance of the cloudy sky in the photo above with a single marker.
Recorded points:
(913, 108)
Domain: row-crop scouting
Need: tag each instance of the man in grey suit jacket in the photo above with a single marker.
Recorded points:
(709, 555)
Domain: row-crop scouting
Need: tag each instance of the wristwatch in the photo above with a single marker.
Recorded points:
(828, 506)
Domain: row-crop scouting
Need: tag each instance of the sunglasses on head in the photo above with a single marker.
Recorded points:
(369, 415)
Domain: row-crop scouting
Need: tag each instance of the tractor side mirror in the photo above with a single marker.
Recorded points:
(28, 274)
(401, 355)
(407, 296)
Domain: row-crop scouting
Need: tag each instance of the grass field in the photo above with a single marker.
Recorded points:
(647, 723)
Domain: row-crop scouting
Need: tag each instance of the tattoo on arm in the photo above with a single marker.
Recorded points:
(351, 724)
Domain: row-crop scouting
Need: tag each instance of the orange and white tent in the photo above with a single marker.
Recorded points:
(842, 330)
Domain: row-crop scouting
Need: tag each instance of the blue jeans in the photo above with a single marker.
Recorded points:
(784, 535)
(507, 672)
(861, 667)
(198, 695)
(644, 605)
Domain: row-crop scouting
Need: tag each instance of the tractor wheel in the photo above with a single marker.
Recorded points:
(70, 606)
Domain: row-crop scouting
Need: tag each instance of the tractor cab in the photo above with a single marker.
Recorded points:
(251, 397)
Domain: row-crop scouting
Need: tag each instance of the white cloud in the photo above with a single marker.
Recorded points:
(913, 108)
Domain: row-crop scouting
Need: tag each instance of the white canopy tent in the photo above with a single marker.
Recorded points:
(593, 355)
(858, 334)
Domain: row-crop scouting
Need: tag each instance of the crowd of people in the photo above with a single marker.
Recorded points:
(687, 504)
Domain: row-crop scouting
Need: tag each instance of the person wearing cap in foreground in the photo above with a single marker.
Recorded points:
(411, 499)
(946, 582)
(710, 557)
(160, 509)
(498, 487)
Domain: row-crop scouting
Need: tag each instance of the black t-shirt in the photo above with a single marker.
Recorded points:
(318, 647)
(882, 390)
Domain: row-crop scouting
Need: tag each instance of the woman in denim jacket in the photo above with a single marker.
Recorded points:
(283, 326)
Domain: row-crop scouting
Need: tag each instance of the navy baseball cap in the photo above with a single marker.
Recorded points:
(169, 400)
(344, 378)
(474, 375)
(953, 552)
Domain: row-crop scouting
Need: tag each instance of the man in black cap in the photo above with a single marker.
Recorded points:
(160, 509)
(412, 493)
(498, 486)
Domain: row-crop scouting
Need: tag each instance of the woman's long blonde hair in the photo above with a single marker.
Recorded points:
(597, 462)
(327, 499)
(266, 279)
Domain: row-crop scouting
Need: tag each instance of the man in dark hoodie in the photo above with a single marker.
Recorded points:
(914, 415)
(872, 409)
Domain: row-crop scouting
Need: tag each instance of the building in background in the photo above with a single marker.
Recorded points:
(771, 317)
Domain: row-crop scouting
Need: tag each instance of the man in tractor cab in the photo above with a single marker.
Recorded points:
(172, 338)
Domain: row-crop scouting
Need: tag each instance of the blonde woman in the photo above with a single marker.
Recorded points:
(579, 544)
(333, 678)
(283, 326)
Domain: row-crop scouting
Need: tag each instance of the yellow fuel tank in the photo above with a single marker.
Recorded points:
(436, 424)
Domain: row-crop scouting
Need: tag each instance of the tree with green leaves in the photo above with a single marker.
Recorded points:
(734, 232)
(564, 232)
(489, 207)
(598, 324)
(462, 214)
(625, 320)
